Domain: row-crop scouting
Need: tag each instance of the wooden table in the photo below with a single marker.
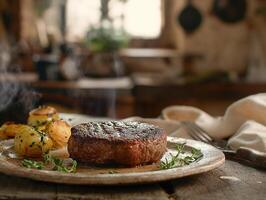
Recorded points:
(232, 181)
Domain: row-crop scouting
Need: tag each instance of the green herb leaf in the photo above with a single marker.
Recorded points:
(32, 164)
(47, 158)
(179, 160)
(62, 168)
(57, 164)
(196, 153)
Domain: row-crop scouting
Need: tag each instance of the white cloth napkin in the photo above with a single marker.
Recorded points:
(251, 134)
(244, 121)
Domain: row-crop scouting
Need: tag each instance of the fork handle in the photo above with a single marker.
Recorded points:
(247, 156)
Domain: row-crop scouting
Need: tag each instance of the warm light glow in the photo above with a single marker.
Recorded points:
(80, 15)
(142, 17)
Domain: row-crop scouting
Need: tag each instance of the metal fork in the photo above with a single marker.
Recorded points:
(242, 155)
(198, 133)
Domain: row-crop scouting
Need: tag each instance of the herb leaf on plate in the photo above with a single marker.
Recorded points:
(59, 165)
(32, 164)
(178, 160)
(56, 163)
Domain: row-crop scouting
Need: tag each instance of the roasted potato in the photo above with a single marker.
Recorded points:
(31, 143)
(9, 129)
(41, 116)
(59, 131)
(3, 136)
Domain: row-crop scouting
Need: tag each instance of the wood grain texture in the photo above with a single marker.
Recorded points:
(19, 188)
(232, 181)
(146, 192)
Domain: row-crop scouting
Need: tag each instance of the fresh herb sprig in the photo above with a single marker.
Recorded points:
(179, 160)
(32, 164)
(56, 163)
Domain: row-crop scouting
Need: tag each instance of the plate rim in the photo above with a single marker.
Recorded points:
(80, 178)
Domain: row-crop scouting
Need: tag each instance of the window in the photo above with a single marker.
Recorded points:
(81, 14)
(141, 18)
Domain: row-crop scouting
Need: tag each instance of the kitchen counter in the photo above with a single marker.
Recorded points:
(140, 95)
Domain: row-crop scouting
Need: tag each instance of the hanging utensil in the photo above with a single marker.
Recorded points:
(190, 18)
(230, 11)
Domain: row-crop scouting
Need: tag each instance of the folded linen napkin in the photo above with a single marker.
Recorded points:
(251, 134)
(244, 121)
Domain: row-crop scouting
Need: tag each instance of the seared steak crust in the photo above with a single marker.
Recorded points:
(126, 143)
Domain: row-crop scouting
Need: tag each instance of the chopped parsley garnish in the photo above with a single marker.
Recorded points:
(31, 145)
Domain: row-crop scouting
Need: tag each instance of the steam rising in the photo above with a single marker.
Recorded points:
(8, 91)
(15, 98)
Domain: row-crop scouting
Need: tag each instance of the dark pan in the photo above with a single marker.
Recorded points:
(230, 11)
(190, 18)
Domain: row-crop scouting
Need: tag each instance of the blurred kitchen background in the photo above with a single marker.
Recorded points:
(121, 58)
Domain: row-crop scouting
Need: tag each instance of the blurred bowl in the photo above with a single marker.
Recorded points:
(181, 113)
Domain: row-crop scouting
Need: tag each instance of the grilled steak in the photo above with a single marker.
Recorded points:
(126, 143)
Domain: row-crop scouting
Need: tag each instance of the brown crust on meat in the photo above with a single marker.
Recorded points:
(126, 143)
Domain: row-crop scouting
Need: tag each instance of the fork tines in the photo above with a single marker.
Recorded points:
(196, 132)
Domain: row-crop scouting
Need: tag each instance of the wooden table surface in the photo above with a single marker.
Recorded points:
(232, 181)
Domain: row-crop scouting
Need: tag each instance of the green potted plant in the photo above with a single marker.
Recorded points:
(106, 39)
(104, 42)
